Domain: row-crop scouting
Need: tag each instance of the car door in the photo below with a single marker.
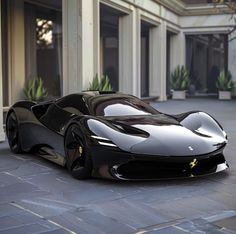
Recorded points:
(54, 119)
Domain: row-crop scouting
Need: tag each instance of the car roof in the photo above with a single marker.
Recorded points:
(89, 97)
(97, 94)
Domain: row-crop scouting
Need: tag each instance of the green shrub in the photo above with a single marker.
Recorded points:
(225, 82)
(102, 84)
(34, 90)
(180, 78)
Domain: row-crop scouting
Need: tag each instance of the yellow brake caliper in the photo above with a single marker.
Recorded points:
(80, 150)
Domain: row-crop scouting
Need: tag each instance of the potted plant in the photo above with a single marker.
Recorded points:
(34, 90)
(179, 82)
(225, 85)
(102, 84)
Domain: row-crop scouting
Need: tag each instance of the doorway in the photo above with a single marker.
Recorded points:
(206, 56)
(144, 60)
(109, 44)
(43, 44)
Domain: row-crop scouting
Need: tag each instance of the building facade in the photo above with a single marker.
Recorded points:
(137, 43)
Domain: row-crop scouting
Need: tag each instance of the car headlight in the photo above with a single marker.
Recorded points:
(104, 141)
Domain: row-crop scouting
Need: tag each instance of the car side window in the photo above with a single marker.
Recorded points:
(72, 110)
(40, 110)
(74, 104)
(55, 118)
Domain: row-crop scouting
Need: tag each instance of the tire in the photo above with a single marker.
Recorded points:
(78, 158)
(12, 131)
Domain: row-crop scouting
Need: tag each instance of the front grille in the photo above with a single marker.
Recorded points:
(171, 167)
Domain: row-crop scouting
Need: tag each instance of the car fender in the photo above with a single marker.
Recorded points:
(204, 124)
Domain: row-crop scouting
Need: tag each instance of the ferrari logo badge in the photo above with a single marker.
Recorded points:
(80, 150)
(193, 163)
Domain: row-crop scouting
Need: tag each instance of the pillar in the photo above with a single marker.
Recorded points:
(232, 57)
(177, 50)
(72, 46)
(2, 134)
(80, 44)
(17, 48)
(129, 53)
(157, 64)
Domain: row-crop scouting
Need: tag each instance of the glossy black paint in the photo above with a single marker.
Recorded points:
(125, 138)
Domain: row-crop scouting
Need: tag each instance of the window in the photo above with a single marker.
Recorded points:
(109, 32)
(43, 45)
(206, 56)
(73, 103)
(105, 106)
(145, 30)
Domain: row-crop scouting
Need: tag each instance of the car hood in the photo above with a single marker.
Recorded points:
(164, 135)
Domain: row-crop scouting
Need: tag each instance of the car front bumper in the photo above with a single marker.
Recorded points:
(117, 164)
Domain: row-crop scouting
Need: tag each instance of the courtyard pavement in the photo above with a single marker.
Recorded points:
(37, 196)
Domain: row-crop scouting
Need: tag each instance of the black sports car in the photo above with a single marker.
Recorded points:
(114, 135)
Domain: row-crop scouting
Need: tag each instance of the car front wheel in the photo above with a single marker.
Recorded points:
(77, 154)
(12, 131)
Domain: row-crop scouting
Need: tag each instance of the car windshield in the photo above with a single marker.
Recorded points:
(121, 106)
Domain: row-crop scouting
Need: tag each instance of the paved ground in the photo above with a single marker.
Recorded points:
(37, 196)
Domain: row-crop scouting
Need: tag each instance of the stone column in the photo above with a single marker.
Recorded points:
(2, 134)
(80, 44)
(17, 48)
(232, 57)
(157, 64)
(129, 53)
(96, 37)
(90, 45)
(72, 46)
(177, 50)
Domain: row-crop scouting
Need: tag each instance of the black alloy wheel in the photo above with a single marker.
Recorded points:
(12, 131)
(77, 155)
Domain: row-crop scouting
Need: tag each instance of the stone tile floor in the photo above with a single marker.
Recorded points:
(37, 196)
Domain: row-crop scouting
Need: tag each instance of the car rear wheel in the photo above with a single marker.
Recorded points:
(77, 154)
(12, 131)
